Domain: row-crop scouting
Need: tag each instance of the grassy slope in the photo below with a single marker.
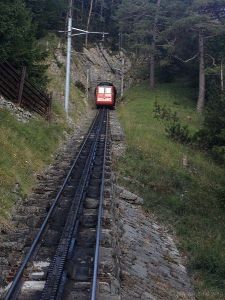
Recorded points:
(27, 148)
(188, 198)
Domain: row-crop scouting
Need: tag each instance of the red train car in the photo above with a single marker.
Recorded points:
(105, 95)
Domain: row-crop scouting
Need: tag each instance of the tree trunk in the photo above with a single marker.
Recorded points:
(88, 22)
(154, 38)
(152, 71)
(122, 73)
(221, 76)
(101, 10)
(201, 95)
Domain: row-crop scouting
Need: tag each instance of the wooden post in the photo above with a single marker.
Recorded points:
(22, 79)
(49, 109)
(87, 84)
(221, 76)
(88, 23)
(122, 73)
(153, 45)
(201, 95)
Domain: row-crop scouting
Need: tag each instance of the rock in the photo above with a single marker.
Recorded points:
(130, 197)
(104, 287)
(147, 296)
(146, 271)
(16, 188)
(19, 113)
(118, 189)
(91, 203)
(126, 195)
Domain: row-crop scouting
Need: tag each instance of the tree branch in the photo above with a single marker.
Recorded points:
(187, 60)
(213, 59)
(210, 36)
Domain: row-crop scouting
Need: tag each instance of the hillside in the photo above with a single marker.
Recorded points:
(183, 187)
(28, 146)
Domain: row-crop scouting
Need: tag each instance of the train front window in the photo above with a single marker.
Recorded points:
(108, 90)
(101, 90)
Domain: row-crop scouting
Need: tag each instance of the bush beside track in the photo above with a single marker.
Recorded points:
(183, 187)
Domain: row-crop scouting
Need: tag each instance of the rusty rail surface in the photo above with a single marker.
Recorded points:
(15, 87)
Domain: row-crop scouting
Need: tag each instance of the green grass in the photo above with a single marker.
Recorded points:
(27, 148)
(190, 200)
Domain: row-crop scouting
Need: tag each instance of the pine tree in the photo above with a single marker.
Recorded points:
(47, 14)
(18, 44)
(201, 23)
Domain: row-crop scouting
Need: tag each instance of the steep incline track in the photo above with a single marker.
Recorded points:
(62, 262)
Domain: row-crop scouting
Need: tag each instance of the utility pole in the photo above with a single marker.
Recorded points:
(122, 62)
(122, 73)
(68, 59)
(87, 85)
(120, 41)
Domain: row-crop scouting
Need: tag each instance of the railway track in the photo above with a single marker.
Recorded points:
(62, 262)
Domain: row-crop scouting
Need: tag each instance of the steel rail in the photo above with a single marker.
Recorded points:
(15, 286)
(52, 286)
(99, 223)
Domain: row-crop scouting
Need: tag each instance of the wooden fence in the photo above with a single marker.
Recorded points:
(15, 87)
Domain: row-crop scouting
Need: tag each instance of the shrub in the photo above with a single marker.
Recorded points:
(211, 136)
(164, 113)
(174, 129)
(220, 192)
(218, 153)
(80, 86)
(178, 132)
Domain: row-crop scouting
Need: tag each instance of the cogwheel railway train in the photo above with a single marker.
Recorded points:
(105, 95)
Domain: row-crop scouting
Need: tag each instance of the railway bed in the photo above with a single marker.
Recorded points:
(138, 258)
(63, 260)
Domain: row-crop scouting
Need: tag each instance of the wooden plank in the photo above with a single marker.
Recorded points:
(9, 85)
(34, 95)
(42, 97)
(34, 109)
(27, 94)
(10, 72)
(32, 98)
(9, 79)
(12, 92)
(23, 74)
(32, 102)
(15, 79)
(6, 93)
